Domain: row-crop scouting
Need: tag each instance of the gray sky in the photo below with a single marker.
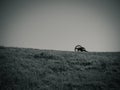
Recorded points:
(61, 24)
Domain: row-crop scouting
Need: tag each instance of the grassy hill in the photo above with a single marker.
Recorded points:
(34, 69)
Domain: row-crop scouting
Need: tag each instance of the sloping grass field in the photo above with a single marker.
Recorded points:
(34, 69)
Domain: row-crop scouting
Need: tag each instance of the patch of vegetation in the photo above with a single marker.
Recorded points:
(2, 47)
(47, 56)
(33, 69)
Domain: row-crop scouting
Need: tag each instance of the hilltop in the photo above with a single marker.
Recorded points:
(34, 69)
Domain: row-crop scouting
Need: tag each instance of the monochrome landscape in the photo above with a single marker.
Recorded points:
(59, 44)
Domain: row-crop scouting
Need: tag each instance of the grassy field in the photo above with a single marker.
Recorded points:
(34, 69)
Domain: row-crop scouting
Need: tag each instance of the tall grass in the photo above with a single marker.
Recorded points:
(33, 69)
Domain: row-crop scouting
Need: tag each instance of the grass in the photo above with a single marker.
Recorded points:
(34, 69)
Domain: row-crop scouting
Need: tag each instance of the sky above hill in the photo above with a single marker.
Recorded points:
(61, 24)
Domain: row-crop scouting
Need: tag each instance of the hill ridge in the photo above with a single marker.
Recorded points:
(36, 69)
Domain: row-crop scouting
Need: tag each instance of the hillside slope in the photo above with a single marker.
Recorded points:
(33, 69)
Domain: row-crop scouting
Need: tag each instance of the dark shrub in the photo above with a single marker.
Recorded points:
(47, 56)
(2, 56)
(2, 47)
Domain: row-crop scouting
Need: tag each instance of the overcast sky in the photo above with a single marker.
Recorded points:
(61, 24)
